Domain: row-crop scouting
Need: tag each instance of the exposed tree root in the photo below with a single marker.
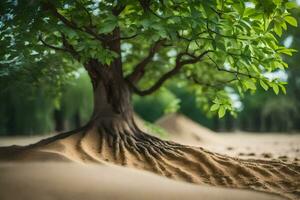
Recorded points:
(107, 143)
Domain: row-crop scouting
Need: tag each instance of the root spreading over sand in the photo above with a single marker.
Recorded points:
(180, 162)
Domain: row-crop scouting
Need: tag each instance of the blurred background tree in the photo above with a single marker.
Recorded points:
(49, 113)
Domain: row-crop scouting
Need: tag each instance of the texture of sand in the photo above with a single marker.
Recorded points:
(183, 130)
(168, 159)
(267, 146)
(67, 181)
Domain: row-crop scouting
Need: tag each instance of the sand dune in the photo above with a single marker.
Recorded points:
(185, 131)
(52, 181)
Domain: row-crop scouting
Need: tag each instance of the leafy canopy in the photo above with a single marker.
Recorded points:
(213, 47)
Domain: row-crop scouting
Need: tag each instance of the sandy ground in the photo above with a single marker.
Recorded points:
(183, 130)
(61, 180)
(52, 181)
(267, 146)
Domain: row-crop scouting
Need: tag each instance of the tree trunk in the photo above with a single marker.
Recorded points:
(112, 104)
(112, 136)
(59, 120)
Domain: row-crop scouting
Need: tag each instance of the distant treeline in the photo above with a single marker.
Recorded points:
(262, 112)
(26, 110)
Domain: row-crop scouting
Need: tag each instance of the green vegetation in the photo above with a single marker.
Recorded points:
(29, 110)
(212, 49)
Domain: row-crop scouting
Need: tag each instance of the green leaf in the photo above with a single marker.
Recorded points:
(249, 84)
(277, 2)
(107, 28)
(278, 29)
(290, 5)
(283, 25)
(108, 25)
(264, 85)
(291, 20)
(240, 7)
(275, 88)
(283, 89)
(221, 111)
(286, 51)
(214, 107)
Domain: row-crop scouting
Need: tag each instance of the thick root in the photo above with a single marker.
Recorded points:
(109, 144)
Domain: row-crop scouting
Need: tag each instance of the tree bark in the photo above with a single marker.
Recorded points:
(112, 96)
(112, 104)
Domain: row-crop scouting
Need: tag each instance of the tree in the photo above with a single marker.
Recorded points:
(132, 46)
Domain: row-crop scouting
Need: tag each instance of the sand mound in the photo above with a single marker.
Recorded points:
(185, 131)
(169, 159)
(51, 181)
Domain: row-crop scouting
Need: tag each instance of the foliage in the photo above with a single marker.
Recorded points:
(77, 99)
(204, 45)
(277, 113)
(21, 100)
(152, 107)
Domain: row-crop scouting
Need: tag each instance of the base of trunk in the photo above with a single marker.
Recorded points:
(109, 143)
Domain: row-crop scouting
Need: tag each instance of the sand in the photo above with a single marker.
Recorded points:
(267, 146)
(52, 181)
(98, 153)
(183, 130)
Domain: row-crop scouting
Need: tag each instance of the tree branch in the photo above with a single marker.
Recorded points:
(118, 9)
(71, 24)
(67, 47)
(139, 69)
(51, 46)
(192, 39)
(87, 12)
(123, 38)
(217, 85)
(230, 71)
(178, 65)
(145, 4)
(128, 37)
